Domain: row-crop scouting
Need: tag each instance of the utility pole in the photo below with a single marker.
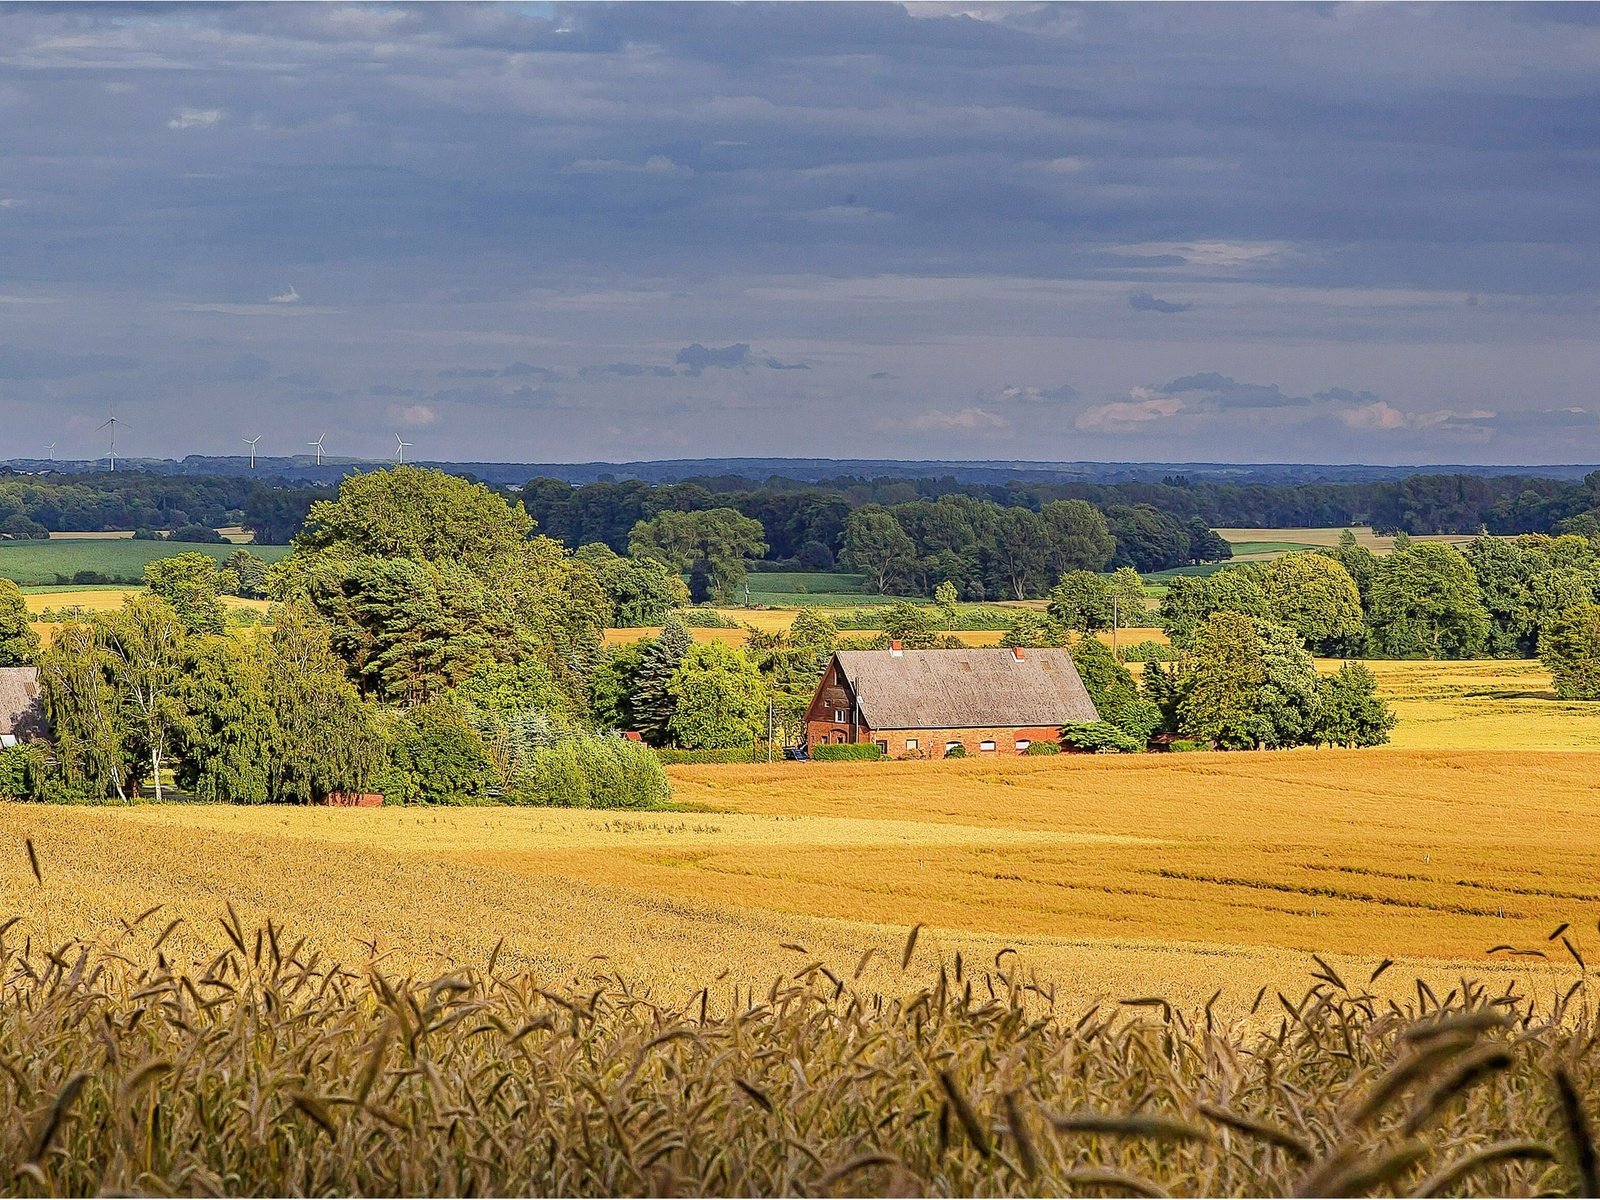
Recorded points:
(769, 726)
(1114, 625)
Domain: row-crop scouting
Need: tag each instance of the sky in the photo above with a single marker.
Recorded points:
(1311, 233)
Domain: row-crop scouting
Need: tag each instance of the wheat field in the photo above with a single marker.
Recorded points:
(1111, 876)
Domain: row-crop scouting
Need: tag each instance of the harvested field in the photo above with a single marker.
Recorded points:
(1270, 543)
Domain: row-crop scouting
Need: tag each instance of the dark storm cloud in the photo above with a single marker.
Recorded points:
(937, 199)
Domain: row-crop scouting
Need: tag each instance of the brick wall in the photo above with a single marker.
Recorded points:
(930, 743)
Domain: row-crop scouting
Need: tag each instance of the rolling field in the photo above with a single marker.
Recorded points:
(117, 558)
(1173, 874)
(1270, 543)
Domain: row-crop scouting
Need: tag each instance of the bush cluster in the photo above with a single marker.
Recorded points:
(847, 752)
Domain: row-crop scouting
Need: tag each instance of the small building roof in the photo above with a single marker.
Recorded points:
(21, 709)
(965, 689)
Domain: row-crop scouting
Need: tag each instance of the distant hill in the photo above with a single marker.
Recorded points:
(302, 468)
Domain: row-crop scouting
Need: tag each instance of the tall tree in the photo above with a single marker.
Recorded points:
(1221, 690)
(653, 700)
(719, 699)
(1425, 604)
(1352, 713)
(1315, 596)
(143, 647)
(1569, 648)
(19, 644)
(719, 540)
(192, 584)
(877, 546)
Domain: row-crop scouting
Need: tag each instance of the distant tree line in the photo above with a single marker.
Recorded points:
(34, 506)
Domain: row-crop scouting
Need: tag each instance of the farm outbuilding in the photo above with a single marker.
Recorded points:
(21, 707)
(924, 703)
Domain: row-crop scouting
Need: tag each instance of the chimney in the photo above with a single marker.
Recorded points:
(1016, 653)
(895, 649)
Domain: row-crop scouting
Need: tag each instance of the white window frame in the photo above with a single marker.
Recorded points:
(911, 743)
(985, 747)
(1023, 744)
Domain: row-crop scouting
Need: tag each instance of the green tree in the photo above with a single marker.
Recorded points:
(613, 686)
(191, 583)
(653, 700)
(1357, 560)
(88, 723)
(1352, 714)
(1029, 629)
(642, 591)
(420, 514)
(1192, 599)
(1075, 537)
(325, 737)
(944, 598)
(1425, 604)
(1569, 648)
(244, 575)
(1221, 689)
(1289, 701)
(719, 699)
(914, 626)
(1127, 591)
(436, 757)
(876, 545)
(1081, 601)
(1113, 690)
(143, 648)
(718, 539)
(1315, 596)
(525, 685)
(19, 644)
(226, 741)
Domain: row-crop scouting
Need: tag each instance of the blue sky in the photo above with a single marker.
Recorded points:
(1252, 233)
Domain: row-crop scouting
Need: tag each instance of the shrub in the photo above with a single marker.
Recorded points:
(1569, 647)
(1042, 749)
(436, 757)
(22, 771)
(592, 772)
(956, 752)
(201, 534)
(704, 618)
(1099, 737)
(847, 752)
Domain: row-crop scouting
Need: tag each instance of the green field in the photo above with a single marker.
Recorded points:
(115, 560)
(825, 589)
(1248, 549)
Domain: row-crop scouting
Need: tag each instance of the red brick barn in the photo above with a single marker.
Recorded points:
(923, 703)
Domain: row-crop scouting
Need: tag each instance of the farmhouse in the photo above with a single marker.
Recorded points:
(21, 710)
(924, 703)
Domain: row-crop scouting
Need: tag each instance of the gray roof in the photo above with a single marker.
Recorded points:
(21, 710)
(966, 689)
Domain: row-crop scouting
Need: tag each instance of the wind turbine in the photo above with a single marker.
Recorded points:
(52, 448)
(251, 442)
(400, 445)
(318, 446)
(112, 424)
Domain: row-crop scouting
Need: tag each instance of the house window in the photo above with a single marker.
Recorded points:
(949, 746)
(882, 746)
(1023, 744)
(911, 743)
(838, 715)
(985, 745)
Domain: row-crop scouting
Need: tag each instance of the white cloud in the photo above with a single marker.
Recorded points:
(1215, 255)
(412, 416)
(195, 118)
(970, 420)
(289, 297)
(656, 164)
(1127, 416)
